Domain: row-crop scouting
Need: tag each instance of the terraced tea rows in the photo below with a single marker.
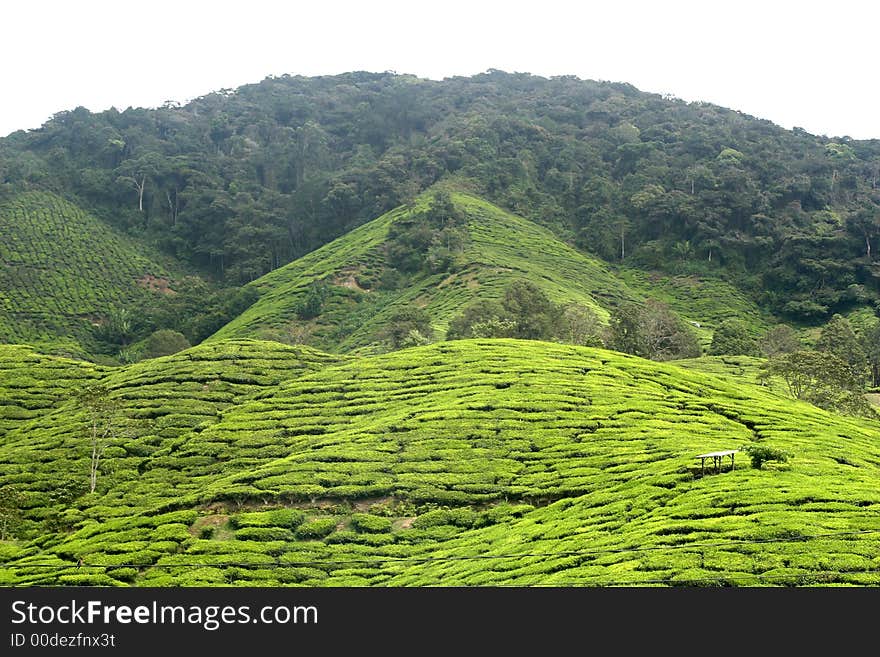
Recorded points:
(33, 384)
(61, 272)
(472, 462)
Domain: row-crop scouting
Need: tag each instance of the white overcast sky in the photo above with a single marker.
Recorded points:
(807, 64)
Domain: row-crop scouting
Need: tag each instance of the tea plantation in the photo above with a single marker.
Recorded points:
(358, 304)
(474, 462)
(63, 271)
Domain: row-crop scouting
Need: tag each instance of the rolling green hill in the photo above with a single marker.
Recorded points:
(501, 248)
(474, 462)
(62, 272)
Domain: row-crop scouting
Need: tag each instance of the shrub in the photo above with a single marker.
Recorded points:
(264, 534)
(316, 528)
(365, 522)
(781, 339)
(459, 517)
(164, 342)
(409, 327)
(288, 518)
(760, 454)
(732, 338)
(312, 303)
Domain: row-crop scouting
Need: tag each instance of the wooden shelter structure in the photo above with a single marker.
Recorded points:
(717, 457)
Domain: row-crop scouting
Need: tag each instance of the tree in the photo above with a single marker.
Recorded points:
(623, 329)
(871, 341)
(118, 328)
(820, 378)
(481, 319)
(581, 326)
(839, 338)
(652, 330)
(666, 336)
(409, 327)
(11, 500)
(781, 339)
(313, 302)
(165, 342)
(732, 338)
(760, 454)
(525, 312)
(104, 424)
(536, 317)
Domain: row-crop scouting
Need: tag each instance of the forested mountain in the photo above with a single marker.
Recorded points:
(428, 318)
(240, 182)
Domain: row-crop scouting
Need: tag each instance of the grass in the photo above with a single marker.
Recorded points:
(478, 462)
(62, 271)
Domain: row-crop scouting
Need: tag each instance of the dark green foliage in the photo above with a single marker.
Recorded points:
(165, 342)
(240, 183)
(313, 302)
(118, 328)
(482, 319)
(732, 338)
(409, 327)
(652, 330)
(580, 325)
(839, 338)
(760, 454)
(820, 378)
(196, 309)
(534, 315)
(525, 312)
(430, 239)
(871, 342)
(11, 501)
(781, 339)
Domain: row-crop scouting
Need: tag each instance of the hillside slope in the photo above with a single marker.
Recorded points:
(501, 248)
(62, 272)
(472, 462)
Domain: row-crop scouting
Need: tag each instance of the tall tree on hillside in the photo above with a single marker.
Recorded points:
(781, 339)
(104, 424)
(137, 172)
(652, 330)
(535, 315)
(409, 327)
(820, 378)
(871, 342)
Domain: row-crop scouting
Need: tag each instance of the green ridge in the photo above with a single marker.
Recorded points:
(502, 248)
